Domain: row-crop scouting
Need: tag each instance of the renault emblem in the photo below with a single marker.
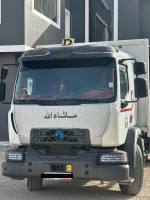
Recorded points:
(59, 136)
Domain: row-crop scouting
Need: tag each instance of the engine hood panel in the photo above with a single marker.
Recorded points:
(95, 118)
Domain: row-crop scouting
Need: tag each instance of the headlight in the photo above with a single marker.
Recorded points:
(14, 156)
(114, 158)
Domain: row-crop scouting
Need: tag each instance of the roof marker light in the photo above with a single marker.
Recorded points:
(27, 59)
(49, 57)
(71, 56)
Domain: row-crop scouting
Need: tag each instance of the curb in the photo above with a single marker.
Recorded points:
(5, 145)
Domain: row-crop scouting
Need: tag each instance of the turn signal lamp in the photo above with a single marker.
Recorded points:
(114, 158)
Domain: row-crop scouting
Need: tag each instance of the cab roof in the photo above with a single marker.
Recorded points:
(68, 52)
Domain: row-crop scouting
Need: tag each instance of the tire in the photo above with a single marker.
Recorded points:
(136, 186)
(34, 184)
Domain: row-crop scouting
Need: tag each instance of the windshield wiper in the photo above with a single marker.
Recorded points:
(35, 101)
(65, 101)
(78, 101)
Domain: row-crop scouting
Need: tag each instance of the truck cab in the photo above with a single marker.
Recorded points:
(74, 115)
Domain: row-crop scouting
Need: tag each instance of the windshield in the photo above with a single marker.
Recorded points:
(67, 82)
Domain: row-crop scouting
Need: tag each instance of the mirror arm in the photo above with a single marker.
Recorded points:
(9, 65)
(132, 101)
(125, 103)
(122, 60)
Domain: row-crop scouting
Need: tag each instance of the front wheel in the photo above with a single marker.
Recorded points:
(34, 184)
(136, 186)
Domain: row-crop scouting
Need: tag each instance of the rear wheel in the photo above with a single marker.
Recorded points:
(135, 187)
(34, 184)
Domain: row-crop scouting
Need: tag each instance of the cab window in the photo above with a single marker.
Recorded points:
(124, 83)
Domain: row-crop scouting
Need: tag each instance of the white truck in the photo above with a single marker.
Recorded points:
(80, 112)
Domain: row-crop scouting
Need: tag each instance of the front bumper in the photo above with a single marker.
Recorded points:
(84, 166)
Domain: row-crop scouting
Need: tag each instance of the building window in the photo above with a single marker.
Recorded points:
(67, 23)
(101, 29)
(48, 10)
(101, 20)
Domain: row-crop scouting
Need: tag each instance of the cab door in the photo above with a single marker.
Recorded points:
(125, 95)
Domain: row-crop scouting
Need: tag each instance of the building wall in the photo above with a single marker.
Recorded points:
(12, 22)
(67, 4)
(144, 18)
(77, 8)
(134, 20)
(128, 17)
(40, 32)
(19, 27)
(7, 58)
(100, 16)
(30, 30)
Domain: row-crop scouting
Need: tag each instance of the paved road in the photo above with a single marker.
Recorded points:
(88, 190)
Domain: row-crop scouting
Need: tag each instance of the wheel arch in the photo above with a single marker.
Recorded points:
(134, 137)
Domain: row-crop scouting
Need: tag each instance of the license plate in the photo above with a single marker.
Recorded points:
(60, 168)
(57, 168)
(54, 175)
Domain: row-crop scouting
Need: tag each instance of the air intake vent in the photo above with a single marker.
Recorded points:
(47, 137)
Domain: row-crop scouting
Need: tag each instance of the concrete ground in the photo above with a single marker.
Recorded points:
(88, 190)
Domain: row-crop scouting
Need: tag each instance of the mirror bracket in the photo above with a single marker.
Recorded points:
(122, 60)
(132, 101)
(124, 104)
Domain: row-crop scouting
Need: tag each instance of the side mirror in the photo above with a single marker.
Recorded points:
(4, 72)
(2, 91)
(141, 89)
(139, 68)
